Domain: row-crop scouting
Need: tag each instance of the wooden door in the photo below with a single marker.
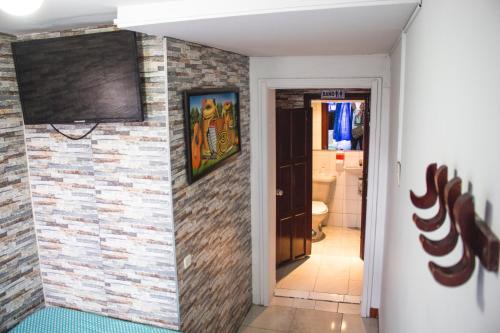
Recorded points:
(293, 184)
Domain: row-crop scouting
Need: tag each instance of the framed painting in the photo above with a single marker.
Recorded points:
(212, 129)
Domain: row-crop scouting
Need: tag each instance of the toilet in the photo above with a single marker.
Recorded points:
(322, 190)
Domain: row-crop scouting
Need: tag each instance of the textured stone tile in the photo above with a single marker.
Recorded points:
(102, 206)
(20, 282)
(212, 216)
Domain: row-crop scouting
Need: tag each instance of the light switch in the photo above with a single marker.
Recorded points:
(187, 261)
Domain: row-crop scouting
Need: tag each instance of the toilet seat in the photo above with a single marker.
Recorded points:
(319, 208)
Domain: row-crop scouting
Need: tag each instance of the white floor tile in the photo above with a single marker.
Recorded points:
(349, 308)
(304, 303)
(282, 301)
(326, 297)
(352, 299)
(291, 293)
(326, 306)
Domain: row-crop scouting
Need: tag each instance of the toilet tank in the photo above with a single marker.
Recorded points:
(323, 187)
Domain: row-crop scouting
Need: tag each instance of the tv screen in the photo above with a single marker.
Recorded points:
(89, 79)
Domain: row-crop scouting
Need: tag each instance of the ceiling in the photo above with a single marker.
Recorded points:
(254, 28)
(57, 14)
(358, 30)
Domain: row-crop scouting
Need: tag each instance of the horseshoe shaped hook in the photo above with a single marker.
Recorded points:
(433, 223)
(459, 273)
(441, 247)
(429, 198)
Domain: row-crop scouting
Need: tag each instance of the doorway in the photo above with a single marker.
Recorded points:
(322, 149)
(263, 138)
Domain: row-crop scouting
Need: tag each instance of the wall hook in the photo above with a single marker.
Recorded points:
(477, 238)
(429, 198)
(433, 223)
(441, 247)
(459, 273)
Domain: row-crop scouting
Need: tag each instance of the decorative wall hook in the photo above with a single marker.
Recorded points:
(463, 212)
(429, 198)
(439, 183)
(477, 238)
(441, 247)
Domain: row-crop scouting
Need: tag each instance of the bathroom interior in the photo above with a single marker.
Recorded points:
(331, 276)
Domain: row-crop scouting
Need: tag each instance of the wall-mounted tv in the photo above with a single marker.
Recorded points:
(90, 78)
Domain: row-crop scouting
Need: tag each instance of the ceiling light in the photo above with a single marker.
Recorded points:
(20, 7)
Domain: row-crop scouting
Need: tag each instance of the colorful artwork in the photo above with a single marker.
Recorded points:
(212, 129)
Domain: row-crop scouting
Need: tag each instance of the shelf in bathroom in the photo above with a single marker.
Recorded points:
(353, 169)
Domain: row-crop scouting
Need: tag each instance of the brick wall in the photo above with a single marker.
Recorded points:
(212, 216)
(102, 206)
(20, 284)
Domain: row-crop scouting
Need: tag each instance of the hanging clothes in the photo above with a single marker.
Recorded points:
(343, 122)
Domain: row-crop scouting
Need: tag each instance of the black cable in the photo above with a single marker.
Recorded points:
(72, 137)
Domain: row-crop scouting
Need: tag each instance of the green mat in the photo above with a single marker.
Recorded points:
(60, 320)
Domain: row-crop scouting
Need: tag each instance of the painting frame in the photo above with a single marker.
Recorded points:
(199, 164)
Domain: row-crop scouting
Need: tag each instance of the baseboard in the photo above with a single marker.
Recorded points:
(373, 313)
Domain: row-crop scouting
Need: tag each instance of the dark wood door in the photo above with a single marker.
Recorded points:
(293, 184)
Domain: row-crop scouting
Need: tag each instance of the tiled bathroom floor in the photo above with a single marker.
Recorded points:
(333, 268)
(301, 318)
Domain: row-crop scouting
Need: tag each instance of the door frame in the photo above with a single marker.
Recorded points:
(351, 94)
(263, 178)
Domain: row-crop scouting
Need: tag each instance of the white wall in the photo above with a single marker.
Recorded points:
(322, 68)
(451, 116)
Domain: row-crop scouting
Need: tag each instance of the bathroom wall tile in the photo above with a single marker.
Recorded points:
(341, 178)
(352, 192)
(352, 207)
(336, 219)
(351, 179)
(352, 220)
(322, 164)
(351, 159)
(339, 192)
(337, 206)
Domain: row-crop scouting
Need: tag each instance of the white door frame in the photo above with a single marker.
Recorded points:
(263, 141)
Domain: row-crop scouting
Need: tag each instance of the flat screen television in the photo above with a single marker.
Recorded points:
(91, 78)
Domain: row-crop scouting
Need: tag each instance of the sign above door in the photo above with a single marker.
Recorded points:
(333, 94)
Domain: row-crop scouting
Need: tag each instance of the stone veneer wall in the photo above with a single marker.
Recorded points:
(102, 207)
(20, 283)
(293, 98)
(212, 216)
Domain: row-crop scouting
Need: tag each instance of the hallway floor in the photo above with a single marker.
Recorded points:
(333, 272)
(274, 319)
